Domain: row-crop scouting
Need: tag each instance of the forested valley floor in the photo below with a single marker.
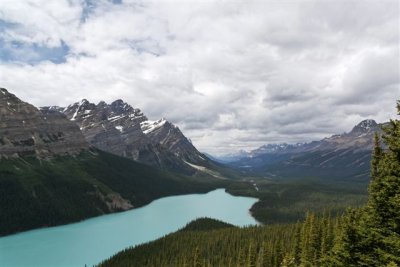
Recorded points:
(364, 236)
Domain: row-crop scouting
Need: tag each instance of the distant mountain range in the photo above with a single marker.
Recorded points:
(52, 173)
(340, 156)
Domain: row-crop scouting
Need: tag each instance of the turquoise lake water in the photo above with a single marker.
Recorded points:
(93, 240)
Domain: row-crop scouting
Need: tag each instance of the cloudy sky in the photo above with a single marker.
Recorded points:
(231, 74)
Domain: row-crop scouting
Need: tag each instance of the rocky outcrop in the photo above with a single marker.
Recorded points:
(120, 129)
(27, 131)
(170, 136)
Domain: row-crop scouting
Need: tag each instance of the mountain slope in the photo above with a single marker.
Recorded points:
(344, 156)
(49, 175)
(36, 193)
(123, 130)
(24, 130)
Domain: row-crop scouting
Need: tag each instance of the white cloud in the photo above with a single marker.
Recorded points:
(232, 74)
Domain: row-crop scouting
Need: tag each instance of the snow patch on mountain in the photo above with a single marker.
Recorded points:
(114, 118)
(205, 170)
(367, 124)
(119, 128)
(150, 126)
(83, 101)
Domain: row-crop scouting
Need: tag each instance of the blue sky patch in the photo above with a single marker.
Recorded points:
(6, 25)
(32, 53)
(90, 5)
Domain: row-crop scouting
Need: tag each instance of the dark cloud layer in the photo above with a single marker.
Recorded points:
(232, 74)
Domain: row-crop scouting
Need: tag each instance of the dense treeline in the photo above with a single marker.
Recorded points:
(367, 236)
(371, 235)
(204, 224)
(36, 193)
(289, 201)
(301, 244)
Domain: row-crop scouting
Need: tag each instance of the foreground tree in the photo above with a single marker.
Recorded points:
(371, 235)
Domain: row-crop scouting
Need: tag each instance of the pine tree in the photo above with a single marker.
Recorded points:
(297, 245)
(250, 255)
(371, 236)
(383, 206)
(260, 256)
(310, 241)
(326, 238)
(376, 156)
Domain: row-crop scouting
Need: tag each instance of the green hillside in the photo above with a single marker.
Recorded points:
(338, 165)
(285, 202)
(36, 193)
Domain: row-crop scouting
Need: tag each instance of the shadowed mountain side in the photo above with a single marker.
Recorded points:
(342, 157)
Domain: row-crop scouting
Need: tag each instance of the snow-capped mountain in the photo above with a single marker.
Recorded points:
(231, 157)
(125, 131)
(273, 148)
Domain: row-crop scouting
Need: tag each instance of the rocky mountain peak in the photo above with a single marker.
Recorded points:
(51, 109)
(365, 126)
(274, 148)
(25, 130)
(10, 100)
(101, 104)
(120, 129)
(119, 106)
(85, 104)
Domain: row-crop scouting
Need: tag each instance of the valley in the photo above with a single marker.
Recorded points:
(198, 133)
(64, 165)
(102, 174)
(50, 174)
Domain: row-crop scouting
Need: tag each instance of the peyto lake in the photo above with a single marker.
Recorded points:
(93, 240)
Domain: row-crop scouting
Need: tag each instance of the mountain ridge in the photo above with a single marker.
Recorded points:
(125, 131)
(345, 155)
(25, 130)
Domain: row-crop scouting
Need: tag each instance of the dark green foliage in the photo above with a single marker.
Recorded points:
(371, 235)
(206, 224)
(344, 165)
(367, 236)
(283, 202)
(339, 165)
(273, 245)
(377, 155)
(36, 193)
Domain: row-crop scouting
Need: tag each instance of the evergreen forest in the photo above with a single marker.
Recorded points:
(365, 236)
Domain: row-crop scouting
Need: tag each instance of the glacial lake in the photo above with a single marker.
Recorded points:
(92, 241)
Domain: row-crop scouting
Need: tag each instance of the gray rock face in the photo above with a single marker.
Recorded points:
(114, 128)
(123, 130)
(26, 131)
(168, 135)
